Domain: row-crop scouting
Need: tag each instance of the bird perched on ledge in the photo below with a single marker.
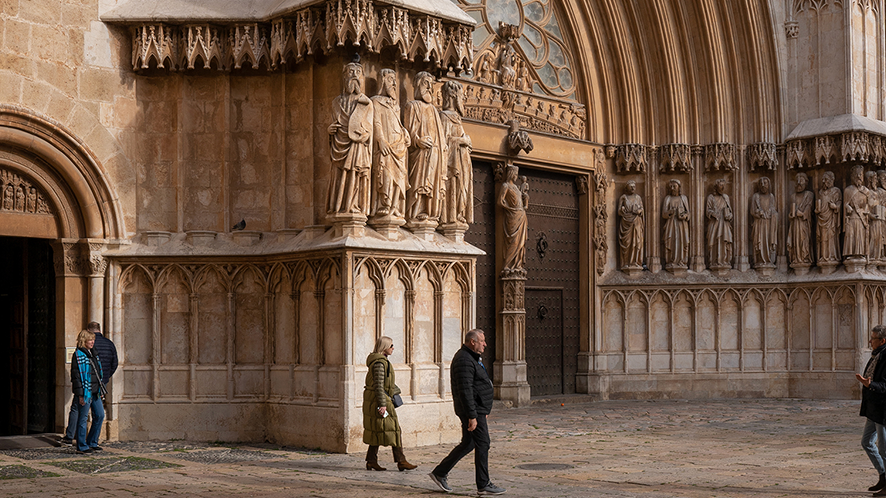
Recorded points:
(240, 225)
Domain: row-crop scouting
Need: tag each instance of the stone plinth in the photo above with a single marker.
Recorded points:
(511, 381)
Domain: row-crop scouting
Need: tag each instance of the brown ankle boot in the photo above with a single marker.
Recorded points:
(374, 466)
(404, 465)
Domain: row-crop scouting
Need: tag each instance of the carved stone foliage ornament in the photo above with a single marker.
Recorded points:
(601, 184)
(19, 194)
(322, 27)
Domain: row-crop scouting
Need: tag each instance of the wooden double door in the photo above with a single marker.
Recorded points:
(552, 285)
(27, 336)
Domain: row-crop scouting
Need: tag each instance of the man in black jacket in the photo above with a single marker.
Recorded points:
(873, 406)
(107, 356)
(472, 400)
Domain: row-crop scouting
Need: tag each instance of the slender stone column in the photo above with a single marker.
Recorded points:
(511, 383)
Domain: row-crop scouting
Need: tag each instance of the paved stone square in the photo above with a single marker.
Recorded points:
(665, 448)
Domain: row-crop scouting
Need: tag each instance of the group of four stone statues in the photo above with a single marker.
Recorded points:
(415, 171)
(864, 224)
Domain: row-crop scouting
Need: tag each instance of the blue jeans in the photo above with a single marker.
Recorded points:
(73, 418)
(84, 440)
(873, 440)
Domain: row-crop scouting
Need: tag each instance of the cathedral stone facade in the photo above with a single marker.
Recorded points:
(633, 199)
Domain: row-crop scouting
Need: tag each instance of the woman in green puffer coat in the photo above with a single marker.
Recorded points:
(380, 424)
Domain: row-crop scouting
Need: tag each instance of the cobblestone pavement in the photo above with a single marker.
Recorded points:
(714, 448)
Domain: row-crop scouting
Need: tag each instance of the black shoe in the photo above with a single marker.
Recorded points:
(88, 450)
(491, 489)
(66, 440)
(880, 484)
(440, 482)
(96, 448)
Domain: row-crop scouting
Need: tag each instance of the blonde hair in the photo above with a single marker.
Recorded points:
(382, 343)
(83, 337)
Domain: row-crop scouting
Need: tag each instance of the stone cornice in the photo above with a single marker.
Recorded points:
(321, 28)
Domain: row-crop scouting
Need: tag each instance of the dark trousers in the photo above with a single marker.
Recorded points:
(476, 440)
(372, 454)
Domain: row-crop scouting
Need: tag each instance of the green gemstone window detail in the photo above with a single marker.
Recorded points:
(541, 42)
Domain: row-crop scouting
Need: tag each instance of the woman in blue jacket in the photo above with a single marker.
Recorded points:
(86, 375)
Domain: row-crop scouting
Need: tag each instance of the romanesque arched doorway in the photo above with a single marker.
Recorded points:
(57, 214)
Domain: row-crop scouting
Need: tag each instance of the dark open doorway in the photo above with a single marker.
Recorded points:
(27, 336)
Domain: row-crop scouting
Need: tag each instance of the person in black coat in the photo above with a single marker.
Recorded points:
(472, 400)
(873, 406)
(107, 355)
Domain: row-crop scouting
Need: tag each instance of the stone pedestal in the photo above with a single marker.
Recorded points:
(455, 231)
(721, 271)
(677, 270)
(511, 381)
(854, 265)
(765, 270)
(632, 271)
(800, 268)
(388, 226)
(827, 268)
(424, 229)
(348, 224)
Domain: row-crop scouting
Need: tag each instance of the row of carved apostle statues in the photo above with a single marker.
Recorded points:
(415, 170)
(858, 212)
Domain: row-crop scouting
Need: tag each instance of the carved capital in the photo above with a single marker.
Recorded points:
(630, 158)
(763, 156)
(68, 259)
(791, 29)
(675, 158)
(720, 157)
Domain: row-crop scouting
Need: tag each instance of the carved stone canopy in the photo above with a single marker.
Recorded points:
(228, 35)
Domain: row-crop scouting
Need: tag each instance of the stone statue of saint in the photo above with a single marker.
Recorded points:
(459, 207)
(876, 219)
(350, 144)
(855, 219)
(675, 211)
(827, 209)
(764, 227)
(631, 231)
(514, 200)
(391, 143)
(800, 234)
(718, 210)
(426, 153)
(881, 194)
(506, 61)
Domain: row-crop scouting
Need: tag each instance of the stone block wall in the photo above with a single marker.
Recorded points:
(264, 349)
(763, 339)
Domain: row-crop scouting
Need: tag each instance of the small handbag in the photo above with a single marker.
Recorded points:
(397, 401)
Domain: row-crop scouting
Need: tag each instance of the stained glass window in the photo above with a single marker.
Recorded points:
(541, 43)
